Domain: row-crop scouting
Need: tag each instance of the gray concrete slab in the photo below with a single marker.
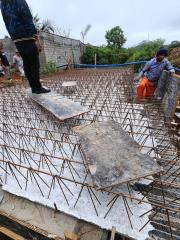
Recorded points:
(61, 107)
(168, 90)
(113, 156)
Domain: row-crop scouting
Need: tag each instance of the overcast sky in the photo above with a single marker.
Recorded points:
(139, 19)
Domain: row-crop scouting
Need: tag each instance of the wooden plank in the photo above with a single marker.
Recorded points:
(113, 157)
(113, 233)
(10, 234)
(61, 107)
(24, 224)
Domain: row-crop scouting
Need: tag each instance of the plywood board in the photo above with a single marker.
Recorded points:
(10, 234)
(61, 107)
(112, 155)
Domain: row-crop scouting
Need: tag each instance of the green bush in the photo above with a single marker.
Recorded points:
(8, 82)
(143, 51)
(105, 55)
(50, 67)
(88, 55)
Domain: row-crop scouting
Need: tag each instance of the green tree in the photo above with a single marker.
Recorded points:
(145, 50)
(88, 55)
(45, 25)
(105, 55)
(115, 37)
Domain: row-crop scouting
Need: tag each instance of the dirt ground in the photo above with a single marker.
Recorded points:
(16, 80)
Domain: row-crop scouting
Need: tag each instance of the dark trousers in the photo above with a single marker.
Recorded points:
(30, 56)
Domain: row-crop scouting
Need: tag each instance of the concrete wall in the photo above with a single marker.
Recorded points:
(58, 49)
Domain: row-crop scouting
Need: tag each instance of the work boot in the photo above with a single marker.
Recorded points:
(41, 90)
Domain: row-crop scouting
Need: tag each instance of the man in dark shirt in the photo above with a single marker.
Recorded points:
(19, 23)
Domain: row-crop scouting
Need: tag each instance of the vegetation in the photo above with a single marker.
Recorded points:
(115, 37)
(114, 53)
(8, 82)
(145, 50)
(105, 55)
(50, 67)
(174, 44)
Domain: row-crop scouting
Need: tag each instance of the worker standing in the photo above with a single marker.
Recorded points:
(19, 23)
(151, 73)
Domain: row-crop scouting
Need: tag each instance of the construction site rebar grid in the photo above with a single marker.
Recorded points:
(41, 153)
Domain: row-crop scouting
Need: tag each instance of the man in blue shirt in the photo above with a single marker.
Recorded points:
(19, 23)
(151, 73)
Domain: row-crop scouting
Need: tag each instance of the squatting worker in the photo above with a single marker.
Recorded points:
(3, 57)
(19, 23)
(5, 63)
(151, 73)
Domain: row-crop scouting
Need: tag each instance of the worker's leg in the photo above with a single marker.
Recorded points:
(30, 56)
(141, 89)
(35, 68)
(145, 89)
(7, 72)
(150, 89)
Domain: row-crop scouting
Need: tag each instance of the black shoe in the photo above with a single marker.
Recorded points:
(40, 90)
